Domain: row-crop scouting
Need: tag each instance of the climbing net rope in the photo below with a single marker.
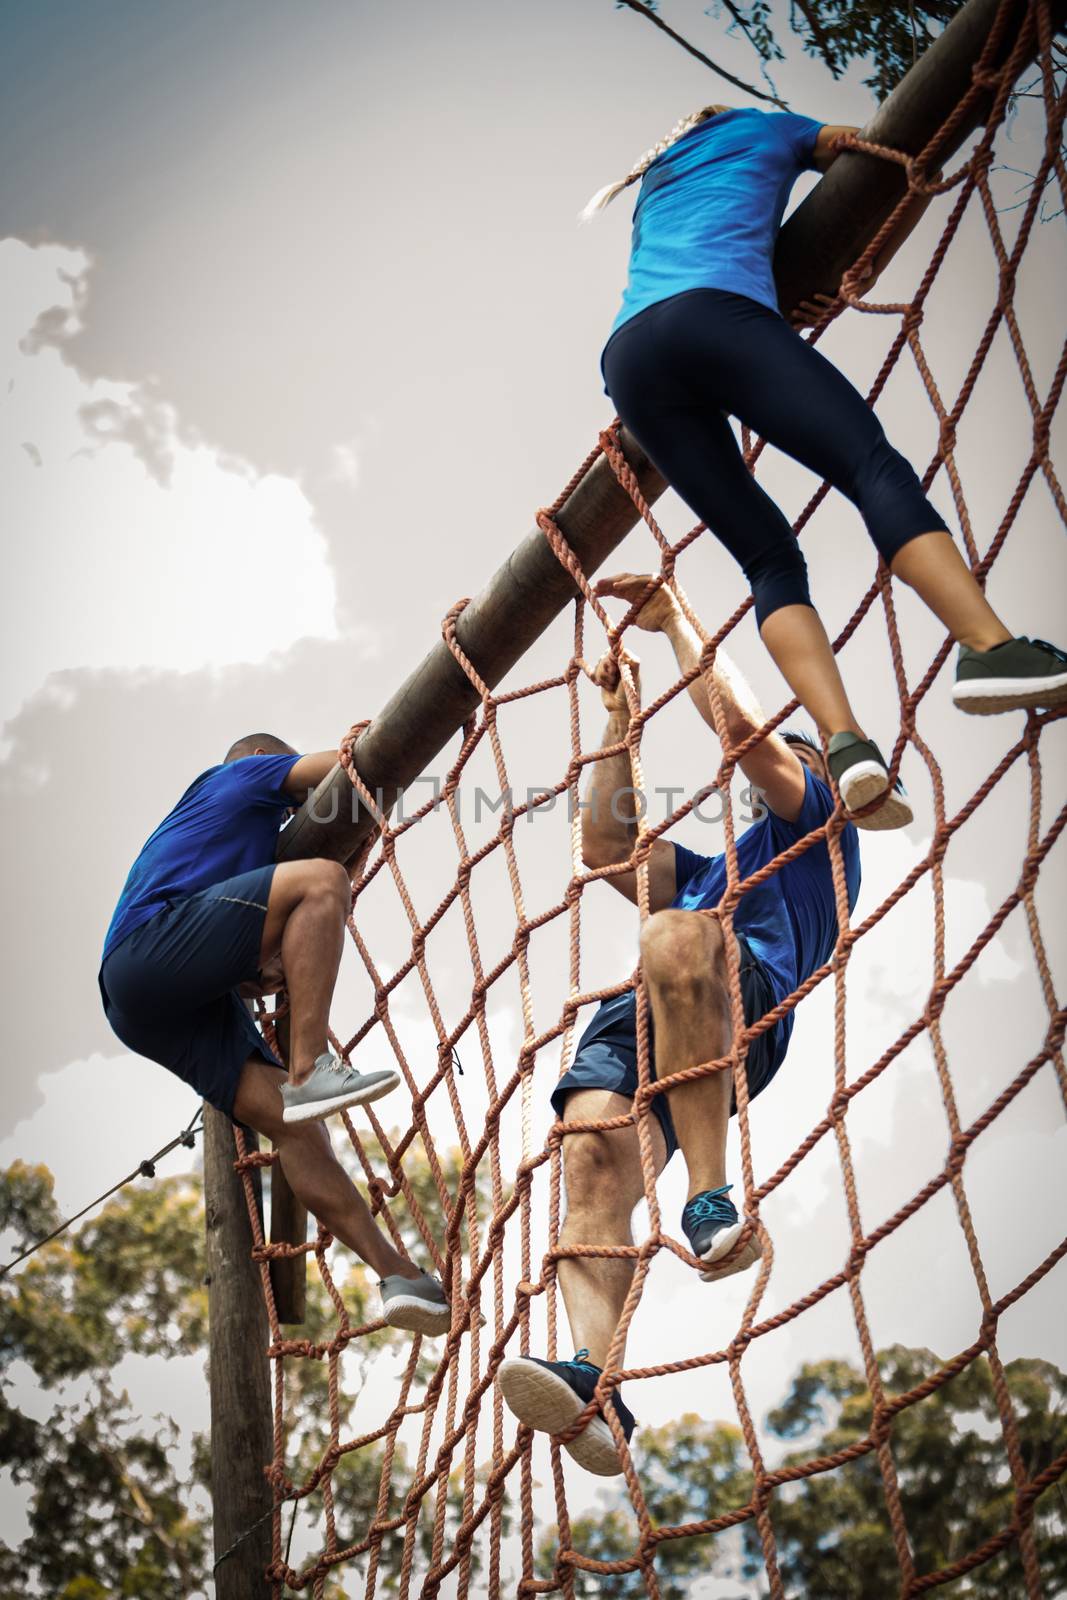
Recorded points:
(500, 1247)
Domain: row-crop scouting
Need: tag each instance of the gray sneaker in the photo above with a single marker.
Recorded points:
(332, 1086)
(417, 1304)
(861, 775)
(1018, 675)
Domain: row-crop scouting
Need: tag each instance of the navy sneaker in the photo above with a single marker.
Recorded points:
(548, 1395)
(712, 1226)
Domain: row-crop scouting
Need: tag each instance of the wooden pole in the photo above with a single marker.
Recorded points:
(288, 1225)
(827, 233)
(242, 1440)
(832, 227)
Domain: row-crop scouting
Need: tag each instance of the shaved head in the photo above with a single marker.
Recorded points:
(267, 744)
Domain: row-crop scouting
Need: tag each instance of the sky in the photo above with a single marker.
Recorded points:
(298, 331)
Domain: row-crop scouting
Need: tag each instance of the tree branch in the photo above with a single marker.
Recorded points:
(818, 34)
(738, 83)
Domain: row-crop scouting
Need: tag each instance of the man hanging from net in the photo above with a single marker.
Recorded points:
(205, 920)
(785, 929)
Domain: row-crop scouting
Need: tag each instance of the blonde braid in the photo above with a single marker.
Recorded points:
(605, 196)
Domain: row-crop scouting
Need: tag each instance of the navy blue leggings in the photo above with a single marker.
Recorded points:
(677, 369)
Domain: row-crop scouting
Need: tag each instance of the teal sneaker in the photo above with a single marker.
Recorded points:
(712, 1226)
(858, 769)
(1018, 675)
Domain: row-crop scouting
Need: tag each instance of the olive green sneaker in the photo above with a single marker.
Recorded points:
(1018, 675)
(861, 775)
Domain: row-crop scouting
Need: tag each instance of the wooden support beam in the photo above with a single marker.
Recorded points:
(832, 227)
(496, 630)
(826, 234)
(242, 1435)
(288, 1225)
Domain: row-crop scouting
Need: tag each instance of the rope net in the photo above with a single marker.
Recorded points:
(430, 989)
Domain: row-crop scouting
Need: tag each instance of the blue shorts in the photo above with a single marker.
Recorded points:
(169, 989)
(606, 1057)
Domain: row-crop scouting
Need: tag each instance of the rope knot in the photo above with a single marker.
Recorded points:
(957, 1154)
(936, 1003)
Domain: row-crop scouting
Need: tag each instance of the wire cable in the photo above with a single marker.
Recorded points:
(144, 1169)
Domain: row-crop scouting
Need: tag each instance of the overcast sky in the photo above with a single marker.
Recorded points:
(298, 331)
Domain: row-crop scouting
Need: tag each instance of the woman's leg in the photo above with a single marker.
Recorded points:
(692, 444)
(933, 566)
(803, 654)
(797, 400)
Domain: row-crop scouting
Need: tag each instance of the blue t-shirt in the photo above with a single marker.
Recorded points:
(709, 208)
(225, 823)
(791, 920)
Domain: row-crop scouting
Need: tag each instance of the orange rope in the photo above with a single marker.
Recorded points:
(448, 1404)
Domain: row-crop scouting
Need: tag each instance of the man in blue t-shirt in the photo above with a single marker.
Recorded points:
(205, 920)
(785, 928)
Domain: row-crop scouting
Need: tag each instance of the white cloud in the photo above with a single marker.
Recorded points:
(132, 543)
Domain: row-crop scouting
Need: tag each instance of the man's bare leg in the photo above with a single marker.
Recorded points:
(306, 913)
(603, 1178)
(315, 1175)
(683, 963)
(602, 1172)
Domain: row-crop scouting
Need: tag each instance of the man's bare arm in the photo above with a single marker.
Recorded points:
(308, 773)
(770, 766)
(609, 820)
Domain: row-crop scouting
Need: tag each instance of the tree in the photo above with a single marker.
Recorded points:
(110, 1512)
(832, 1529)
(688, 1469)
(886, 39)
(956, 1487)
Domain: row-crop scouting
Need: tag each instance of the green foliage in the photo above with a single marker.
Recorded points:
(832, 1528)
(108, 1513)
(27, 1206)
(956, 1488)
(111, 1516)
(689, 1470)
(108, 1510)
(886, 39)
(129, 1280)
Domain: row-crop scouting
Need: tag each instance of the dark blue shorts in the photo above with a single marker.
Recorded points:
(169, 988)
(606, 1057)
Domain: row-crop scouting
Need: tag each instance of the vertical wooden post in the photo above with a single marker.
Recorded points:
(288, 1225)
(241, 1423)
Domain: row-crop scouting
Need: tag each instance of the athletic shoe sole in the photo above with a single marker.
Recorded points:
(545, 1401)
(721, 1246)
(415, 1315)
(984, 697)
(864, 782)
(318, 1110)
